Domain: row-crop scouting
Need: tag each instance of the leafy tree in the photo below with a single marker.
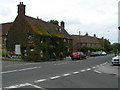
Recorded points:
(115, 47)
(107, 45)
(53, 22)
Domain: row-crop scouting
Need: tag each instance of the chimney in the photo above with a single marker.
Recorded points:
(86, 34)
(94, 35)
(62, 24)
(21, 9)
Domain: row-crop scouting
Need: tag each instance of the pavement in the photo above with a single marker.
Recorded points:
(108, 68)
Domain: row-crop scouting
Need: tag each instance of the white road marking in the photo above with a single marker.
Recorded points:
(83, 70)
(97, 71)
(101, 64)
(20, 70)
(98, 66)
(77, 61)
(18, 86)
(93, 67)
(41, 80)
(21, 64)
(37, 86)
(66, 74)
(106, 62)
(9, 71)
(54, 77)
(88, 69)
(22, 85)
(75, 72)
(62, 63)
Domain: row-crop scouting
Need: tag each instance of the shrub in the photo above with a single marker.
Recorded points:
(61, 55)
(53, 56)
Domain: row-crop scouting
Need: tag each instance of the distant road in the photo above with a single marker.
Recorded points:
(59, 74)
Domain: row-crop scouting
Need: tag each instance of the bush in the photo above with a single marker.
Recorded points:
(53, 56)
(61, 55)
(32, 56)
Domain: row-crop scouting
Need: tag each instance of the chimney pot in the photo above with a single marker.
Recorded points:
(21, 9)
(62, 24)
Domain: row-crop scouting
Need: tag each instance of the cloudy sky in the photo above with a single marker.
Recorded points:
(98, 17)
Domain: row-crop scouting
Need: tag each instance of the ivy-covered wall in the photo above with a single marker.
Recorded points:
(18, 34)
(48, 48)
(37, 43)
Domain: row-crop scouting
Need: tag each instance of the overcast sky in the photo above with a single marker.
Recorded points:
(98, 17)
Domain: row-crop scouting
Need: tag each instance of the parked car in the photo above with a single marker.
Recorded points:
(116, 60)
(94, 54)
(78, 55)
(104, 53)
(98, 53)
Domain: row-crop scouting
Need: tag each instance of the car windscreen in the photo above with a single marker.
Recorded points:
(75, 53)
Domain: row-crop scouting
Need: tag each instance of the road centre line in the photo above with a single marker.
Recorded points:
(82, 70)
(20, 64)
(9, 71)
(98, 66)
(66, 74)
(97, 71)
(62, 63)
(54, 77)
(75, 72)
(41, 80)
(93, 67)
(88, 69)
(20, 70)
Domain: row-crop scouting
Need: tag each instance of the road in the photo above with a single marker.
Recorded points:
(94, 72)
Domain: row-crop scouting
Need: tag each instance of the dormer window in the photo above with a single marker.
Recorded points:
(60, 29)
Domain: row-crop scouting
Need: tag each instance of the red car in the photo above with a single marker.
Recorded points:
(78, 55)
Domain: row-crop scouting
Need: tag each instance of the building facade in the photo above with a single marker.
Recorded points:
(80, 41)
(36, 38)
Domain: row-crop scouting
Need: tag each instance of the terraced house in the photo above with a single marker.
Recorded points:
(37, 39)
(91, 42)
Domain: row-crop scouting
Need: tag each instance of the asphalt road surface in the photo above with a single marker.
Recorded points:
(94, 72)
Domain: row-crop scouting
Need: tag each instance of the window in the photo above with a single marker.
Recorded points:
(30, 38)
(60, 29)
(41, 53)
(41, 41)
(75, 53)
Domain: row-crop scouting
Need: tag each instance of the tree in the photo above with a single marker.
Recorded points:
(115, 47)
(53, 22)
(107, 46)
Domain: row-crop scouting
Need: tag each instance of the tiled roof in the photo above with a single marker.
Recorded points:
(85, 39)
(41, 27)
(46, 28)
